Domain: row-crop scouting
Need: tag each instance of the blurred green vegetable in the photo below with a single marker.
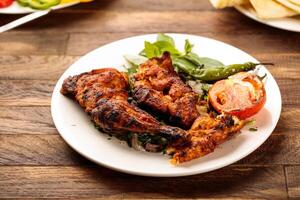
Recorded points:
(166, 38)
(188, 46)
(38, 4)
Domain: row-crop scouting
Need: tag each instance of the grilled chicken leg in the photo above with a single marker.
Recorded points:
(103, 95)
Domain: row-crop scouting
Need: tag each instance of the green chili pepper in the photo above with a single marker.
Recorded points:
(39, 4)
(212, 73)
(215, 74)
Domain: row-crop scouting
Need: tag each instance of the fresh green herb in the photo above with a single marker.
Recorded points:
(151, 50)
(205, 87)
(205, 97)
(164, 46)
(163, 43)
(166, 38)
(203, 61)
(188, 47)
(251, 122)
(253, 129)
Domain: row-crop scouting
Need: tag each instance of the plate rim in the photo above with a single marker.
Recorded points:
(152, 174)
(248, 14)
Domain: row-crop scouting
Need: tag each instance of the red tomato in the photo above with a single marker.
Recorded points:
(5, 3)
(242, 95)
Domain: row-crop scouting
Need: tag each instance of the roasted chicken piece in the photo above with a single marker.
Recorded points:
(206, 133)
(158, 87)
(103, 95)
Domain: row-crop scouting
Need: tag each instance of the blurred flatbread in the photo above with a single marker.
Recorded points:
(228, 3)
(268, 9)
(297, 2)
(290, 5)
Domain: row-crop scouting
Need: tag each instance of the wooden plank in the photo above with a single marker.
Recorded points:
(285, 65)
(37, 150)
(288, 121)
(25, 92)
(147, 22)
(293, 181)
(277, 150)
(34, 67)
(288, 89)
(132, 5)
(81, 43)
(26, 120)
(32, 43)
(80, 182)
(38, 92)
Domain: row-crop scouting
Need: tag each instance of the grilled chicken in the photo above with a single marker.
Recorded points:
(158, 87)
(103, 94)
(206, 133)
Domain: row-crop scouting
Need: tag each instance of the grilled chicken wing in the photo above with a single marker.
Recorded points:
(103, 95)
(158, 87)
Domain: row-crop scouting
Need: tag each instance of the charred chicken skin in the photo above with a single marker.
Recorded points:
(158, 87)
(103, 94)
(206, 133)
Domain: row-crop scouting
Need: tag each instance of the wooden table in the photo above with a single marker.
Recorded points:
(36, 163)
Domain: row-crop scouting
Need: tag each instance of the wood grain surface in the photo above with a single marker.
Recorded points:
(36, 163)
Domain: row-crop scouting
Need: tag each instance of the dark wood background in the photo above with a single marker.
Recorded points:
(36, 163)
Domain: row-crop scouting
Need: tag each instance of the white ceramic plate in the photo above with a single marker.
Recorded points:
(16, 9)
(78, 131)
(288, 23)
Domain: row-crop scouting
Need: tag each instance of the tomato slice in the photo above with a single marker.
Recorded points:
(5, 3)
(242, 95)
